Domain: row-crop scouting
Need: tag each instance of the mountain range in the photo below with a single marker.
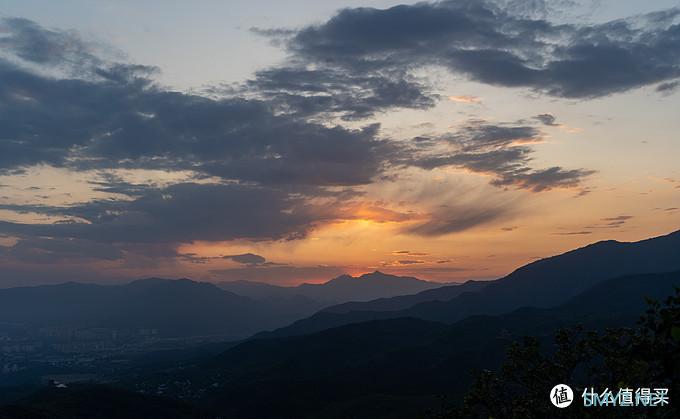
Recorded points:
(390, 357)
(394, 368)
(184, 308)
(543, 283)
(338, 290)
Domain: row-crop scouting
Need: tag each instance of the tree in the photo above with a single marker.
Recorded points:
(646, 356)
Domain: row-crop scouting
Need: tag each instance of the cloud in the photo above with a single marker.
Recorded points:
(501, 150)
(408, 252)
(187, 212)
(668, 88)
(112, 115)
(275, 32)
(410, 262)
(308, 92)
(247, 259)
(612, 222)
(604, 223)
(256, 171)
(466, 99)
(34, 44)
(574, 233)
(85, 125)
(50, 250)
(550, 120)
(268, 159)
(545, 9)
(182, 213)
(547, 119)
(544, 179)
(449, 220)
(618, 218)
(376, 213)
(502, 46)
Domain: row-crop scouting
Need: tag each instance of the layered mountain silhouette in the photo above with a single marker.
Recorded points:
(402, 302)
(384, 358)
(338, 290)
(183, 308)
(544, 283)
(395, 368)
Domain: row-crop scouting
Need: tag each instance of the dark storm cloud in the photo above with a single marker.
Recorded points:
(181, 213)
(498, 46)
(502, 150)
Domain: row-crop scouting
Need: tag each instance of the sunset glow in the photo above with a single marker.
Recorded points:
(469, 174)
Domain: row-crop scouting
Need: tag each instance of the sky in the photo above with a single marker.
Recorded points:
(291, 142)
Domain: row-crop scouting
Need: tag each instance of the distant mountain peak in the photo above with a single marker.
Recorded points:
(371, 276)
(378, 275)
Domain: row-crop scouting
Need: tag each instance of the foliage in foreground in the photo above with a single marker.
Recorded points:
(647, 356)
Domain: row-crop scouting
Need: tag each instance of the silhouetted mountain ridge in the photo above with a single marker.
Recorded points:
(182, 307)
(551, 281)
(543, 283)
(444, 293)
(343, 288)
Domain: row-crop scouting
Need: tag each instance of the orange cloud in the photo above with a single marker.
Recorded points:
(466, 99)
(380, 214)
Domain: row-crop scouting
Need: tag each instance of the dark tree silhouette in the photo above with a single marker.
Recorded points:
(646, 356)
